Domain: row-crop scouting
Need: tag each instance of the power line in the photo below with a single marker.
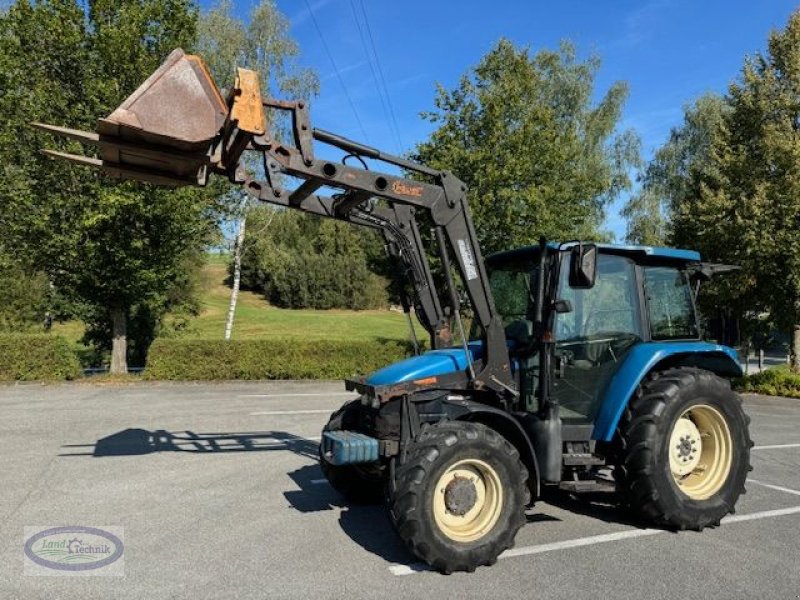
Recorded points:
(336, 69)
(378, 87)
(380, 70)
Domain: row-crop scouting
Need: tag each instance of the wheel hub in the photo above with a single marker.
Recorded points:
(467, 500)
(700, 451)
(460, 495)
(685, 447)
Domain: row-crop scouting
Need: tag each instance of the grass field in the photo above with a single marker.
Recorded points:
(255, 318)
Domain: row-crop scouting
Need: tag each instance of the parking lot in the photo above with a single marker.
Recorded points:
(219, 494)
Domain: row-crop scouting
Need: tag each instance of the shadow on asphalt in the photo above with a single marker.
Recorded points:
(601, 506)
(133, 442)
(367, 525)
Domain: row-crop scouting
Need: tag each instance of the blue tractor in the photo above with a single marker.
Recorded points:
(583, 366)
(611, 376)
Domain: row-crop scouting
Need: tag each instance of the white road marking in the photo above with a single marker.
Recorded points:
(318, 481)
(775, 447)
(292, 412)
(409, 569)
(764, 514)
(577, 543)
(598, 539)
(309, 395)
(778, 488)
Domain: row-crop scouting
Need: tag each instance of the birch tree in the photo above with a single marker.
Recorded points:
(262, 44)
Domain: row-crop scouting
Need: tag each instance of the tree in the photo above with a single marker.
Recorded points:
(263, 45)
(539, 157)
(118, 250)
(730, 179)
(301, 261)
(23, 296)
(672, 179)
(750, 200)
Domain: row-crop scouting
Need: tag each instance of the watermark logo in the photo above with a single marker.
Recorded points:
(74, 550)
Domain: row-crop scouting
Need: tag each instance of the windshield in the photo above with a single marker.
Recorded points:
(513, 288)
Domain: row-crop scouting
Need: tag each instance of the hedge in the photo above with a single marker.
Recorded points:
(777, 381)
(179, 359)
(31, 357)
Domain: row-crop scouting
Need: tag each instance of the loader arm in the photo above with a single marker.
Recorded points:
(443, 197)
(137, 142)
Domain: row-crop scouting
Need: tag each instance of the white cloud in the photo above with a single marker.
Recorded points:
(344, 69)
(304, 15)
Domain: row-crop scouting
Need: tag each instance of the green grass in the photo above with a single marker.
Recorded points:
(256, 319)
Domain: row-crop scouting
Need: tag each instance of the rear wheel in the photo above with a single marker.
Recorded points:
(359, 484)
(685, 449)
(459, 497)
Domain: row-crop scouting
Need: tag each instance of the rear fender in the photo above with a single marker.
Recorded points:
(654, 356)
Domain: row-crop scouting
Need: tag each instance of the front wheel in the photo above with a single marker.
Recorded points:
(459, 497)
(686, 449)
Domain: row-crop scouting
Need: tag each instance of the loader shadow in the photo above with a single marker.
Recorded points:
(134, 442)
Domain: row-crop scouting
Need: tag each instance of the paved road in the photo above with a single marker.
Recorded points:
(219, 495)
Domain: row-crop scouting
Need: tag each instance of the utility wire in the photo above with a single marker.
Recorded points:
(380, 71)
(336, 69)
(380, 90)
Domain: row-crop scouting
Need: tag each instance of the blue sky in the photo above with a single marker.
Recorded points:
(668, 51)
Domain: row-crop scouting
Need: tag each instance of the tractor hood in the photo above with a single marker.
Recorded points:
(428, 364)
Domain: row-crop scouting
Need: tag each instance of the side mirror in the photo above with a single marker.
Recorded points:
(583, 266)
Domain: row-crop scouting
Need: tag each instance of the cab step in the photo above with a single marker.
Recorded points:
(581, 459)
(588, 486)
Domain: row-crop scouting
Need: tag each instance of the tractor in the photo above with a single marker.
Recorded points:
(583, 366)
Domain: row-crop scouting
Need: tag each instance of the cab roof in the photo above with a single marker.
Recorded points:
(635, 252)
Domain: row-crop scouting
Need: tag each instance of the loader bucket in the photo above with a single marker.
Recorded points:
(178, 106)
(175, 128)
(163, 132)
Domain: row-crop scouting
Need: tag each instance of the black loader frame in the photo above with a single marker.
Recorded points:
(442, 197)
(168, 134)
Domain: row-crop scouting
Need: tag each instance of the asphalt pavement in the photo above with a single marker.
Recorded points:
(218, 492)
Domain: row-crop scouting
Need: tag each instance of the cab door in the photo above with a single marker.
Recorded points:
(592, 339)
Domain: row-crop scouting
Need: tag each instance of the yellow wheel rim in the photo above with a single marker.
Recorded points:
(467, 500)
(700, 451)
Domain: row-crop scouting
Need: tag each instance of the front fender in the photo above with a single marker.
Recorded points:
(503, 423)
(647, 356)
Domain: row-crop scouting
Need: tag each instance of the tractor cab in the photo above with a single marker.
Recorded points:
(638, 294)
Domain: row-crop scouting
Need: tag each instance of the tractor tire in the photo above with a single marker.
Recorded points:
(359, 484)
(459, 496)
(684, 450)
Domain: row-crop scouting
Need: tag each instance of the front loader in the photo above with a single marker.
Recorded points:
(583, 368)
